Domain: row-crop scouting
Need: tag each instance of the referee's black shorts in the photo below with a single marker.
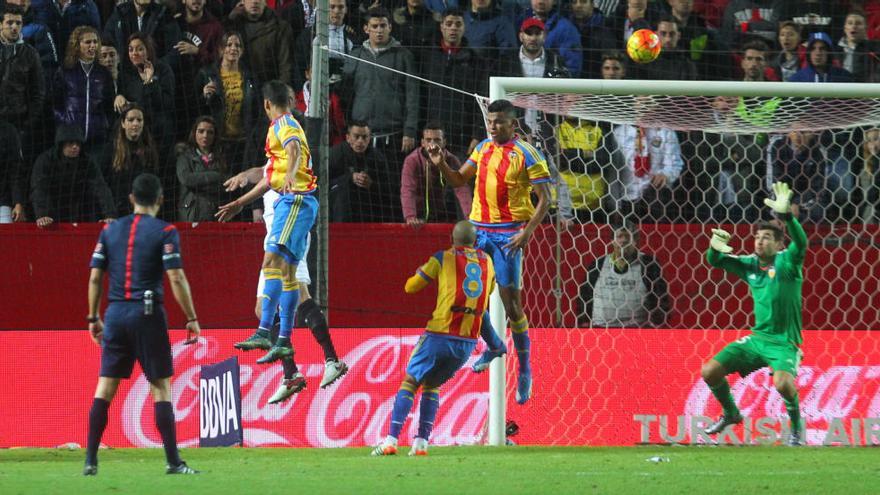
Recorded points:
(130, 335)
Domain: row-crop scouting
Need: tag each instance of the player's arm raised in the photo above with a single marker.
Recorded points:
(456, 178)
(96, 289)
(229, 210)
(242, 179)
(183, 295)
(521, 238)
(781, 204)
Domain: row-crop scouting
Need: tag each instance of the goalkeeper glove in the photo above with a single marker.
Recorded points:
(782, 203)
(719, 241)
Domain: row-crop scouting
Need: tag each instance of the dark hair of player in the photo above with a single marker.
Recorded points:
(277, 93)
(146, 189)
(778, 234)
(502, 106)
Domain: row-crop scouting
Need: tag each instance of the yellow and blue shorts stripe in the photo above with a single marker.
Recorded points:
(508, 265)
(294, 217)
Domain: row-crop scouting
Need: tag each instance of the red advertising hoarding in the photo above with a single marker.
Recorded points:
(592, 387)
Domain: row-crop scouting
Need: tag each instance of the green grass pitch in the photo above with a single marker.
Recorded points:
(454, 470)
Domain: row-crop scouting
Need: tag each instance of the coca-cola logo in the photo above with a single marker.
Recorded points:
(352, 412)
(826, 395)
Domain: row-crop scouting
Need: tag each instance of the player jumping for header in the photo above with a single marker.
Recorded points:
(775, 277)
(289, 173)
(507, 171)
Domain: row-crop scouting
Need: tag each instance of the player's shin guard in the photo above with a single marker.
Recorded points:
(288, 301)
(519, 331)
(164, 413)
(271, 295)
(97, 424)
(428, 411)
(487, 332)
(314, 318)
(793, 407)
(403, 402)
(721, 391)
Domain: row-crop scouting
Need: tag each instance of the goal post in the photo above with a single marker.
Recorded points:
(697, 109)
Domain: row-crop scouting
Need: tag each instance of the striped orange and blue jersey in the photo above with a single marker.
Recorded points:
(505, 173)
(282, 131)
(465, 277)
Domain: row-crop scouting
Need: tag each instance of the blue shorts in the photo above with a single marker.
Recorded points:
(436, 358)
(294, 216)
(131, 335)
(508, 266)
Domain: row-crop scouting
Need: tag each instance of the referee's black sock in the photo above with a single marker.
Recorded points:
(317, 323)
(165, 423)
(97, 424)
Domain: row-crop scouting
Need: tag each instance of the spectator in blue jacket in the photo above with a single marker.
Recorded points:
(489, 30)
(562, 35)
(819, 67)
(62, 19)
(84, 91)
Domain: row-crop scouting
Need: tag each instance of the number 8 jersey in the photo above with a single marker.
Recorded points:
(465, 278)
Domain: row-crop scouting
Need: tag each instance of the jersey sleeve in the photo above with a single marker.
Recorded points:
(475, 157)
(536, 165)
(171, 249)
(99, 255)
(797, 249)
(285, 133)
(430, 270)
(729, 263)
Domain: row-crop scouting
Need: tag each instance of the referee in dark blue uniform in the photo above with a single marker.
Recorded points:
(136, 250)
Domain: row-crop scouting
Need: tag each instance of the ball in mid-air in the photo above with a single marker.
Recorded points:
(643, 46)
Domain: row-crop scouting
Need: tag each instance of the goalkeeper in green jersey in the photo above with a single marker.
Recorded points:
(775, 277)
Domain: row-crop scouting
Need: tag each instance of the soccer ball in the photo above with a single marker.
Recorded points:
(643, 46)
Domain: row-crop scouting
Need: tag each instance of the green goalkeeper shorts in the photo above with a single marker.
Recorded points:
(748, 354)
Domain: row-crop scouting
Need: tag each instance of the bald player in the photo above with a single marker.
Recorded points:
(465, 278)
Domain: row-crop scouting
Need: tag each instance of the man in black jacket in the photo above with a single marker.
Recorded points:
(67, 184)
(150, 18)
(22, 93)
(360, 186)
(625, 288)
(451, 62)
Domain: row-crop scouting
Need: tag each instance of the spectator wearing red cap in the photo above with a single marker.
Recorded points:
(561, 34)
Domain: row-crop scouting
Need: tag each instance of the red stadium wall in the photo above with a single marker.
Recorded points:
(45, 273)
(619, 387)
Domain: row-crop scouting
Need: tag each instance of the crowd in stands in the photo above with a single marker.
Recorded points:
(95, 92)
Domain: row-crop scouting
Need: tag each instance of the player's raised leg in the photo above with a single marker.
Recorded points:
(495, 345)
(310, 315)
(273, 285)
(715, 376)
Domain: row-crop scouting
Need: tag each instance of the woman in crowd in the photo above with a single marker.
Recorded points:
(791, 53)
(228, 94)
(150, 83)
(133, 152)
(201, 171)
(83, 90)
